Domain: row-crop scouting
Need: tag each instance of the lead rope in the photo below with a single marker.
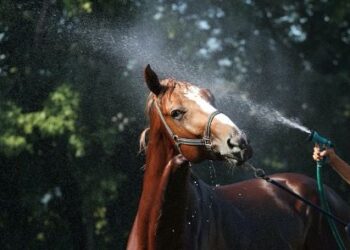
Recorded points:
(260, 173)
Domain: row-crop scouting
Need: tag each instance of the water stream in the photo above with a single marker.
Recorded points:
(268, 115)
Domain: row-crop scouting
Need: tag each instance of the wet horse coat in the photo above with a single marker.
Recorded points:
(179, 211)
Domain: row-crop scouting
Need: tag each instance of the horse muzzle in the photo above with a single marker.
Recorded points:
(239, 150)
(246, 153)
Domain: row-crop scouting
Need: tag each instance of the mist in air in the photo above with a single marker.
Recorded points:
(252, 77)
(146, 42)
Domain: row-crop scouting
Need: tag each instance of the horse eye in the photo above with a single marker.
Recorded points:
(177, 114)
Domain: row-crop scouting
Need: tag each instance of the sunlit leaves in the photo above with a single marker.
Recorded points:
(87, 6)
(100, 218)
(58, 117)
(74, 8)
(14, 144)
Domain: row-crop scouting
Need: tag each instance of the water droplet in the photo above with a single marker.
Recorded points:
(212, 173)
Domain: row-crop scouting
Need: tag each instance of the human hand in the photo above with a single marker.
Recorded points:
(319, 154)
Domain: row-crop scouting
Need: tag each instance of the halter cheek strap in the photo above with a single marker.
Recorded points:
(204, 141)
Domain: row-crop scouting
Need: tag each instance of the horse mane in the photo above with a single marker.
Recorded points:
(168, 84)
(143, 140)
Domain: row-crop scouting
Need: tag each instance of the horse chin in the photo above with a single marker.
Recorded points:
(232, 160)
(237, 160)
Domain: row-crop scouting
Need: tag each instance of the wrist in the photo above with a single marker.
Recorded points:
(332, 158)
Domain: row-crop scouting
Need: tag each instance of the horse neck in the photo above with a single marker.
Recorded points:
(164, 189)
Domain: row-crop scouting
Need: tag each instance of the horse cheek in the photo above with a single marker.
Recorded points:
(192, 153)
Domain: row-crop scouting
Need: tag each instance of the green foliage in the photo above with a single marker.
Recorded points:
(57, 118)
(74, 8)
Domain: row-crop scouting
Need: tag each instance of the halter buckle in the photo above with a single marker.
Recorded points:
(207, 142)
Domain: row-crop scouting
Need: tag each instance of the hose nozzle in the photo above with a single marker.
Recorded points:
(320, 140)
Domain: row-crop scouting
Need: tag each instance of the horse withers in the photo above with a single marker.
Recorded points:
(179, 211)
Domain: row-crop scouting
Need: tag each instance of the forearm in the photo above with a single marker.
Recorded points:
(342, 168)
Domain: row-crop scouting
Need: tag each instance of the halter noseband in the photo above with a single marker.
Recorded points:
(204, 141)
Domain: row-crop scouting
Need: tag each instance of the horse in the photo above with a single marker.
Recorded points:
(177, 210)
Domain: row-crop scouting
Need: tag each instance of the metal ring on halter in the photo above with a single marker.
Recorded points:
(207, 143)
(259, 173)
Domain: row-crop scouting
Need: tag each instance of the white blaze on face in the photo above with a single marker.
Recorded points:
(193, 94)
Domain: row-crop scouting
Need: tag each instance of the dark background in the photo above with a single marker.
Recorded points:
(72, 101)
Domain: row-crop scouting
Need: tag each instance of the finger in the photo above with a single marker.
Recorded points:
(316, 158)
(317, 153)
(323, 153)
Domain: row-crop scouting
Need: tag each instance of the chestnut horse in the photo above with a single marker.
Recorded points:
(179, 211)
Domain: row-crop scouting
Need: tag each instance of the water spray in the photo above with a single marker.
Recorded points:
(325, 143)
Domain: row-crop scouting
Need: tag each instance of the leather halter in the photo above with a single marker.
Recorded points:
(204, 141)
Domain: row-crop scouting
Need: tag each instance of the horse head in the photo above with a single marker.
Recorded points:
(193, 124)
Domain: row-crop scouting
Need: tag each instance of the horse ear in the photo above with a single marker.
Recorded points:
(152, 80)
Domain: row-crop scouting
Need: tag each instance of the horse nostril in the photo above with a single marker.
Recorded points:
(230, 144)
(240, 143)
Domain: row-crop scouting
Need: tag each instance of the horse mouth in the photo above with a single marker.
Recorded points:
(239, 158)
